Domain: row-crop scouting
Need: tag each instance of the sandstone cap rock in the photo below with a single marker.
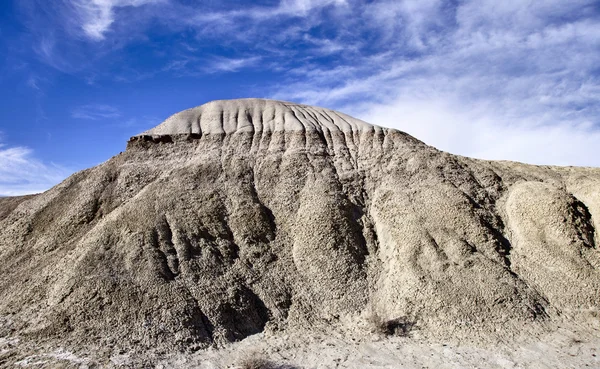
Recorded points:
(257, 115)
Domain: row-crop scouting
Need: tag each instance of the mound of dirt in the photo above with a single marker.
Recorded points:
(247, 216)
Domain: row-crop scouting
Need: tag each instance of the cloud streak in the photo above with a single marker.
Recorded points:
(97, 16)
(95, 112)
(21, 173)
(222, 64)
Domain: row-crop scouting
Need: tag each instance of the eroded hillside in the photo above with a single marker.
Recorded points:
(248, 216)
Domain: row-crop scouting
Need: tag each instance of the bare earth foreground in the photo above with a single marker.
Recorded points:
(254, 230)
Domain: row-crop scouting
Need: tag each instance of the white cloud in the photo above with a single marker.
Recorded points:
(287, 8)
(97, 16)
(58, 31)
(297, 7)
(21, 173)
(222, 64)
(477, 132)
(195, 66)
(95, 112)
(496, 80)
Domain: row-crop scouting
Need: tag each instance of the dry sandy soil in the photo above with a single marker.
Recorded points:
(249, 229)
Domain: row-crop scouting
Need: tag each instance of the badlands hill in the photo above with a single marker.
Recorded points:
(247, 216)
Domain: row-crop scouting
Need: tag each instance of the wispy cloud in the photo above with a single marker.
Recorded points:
(33, 82)
(440, 70)
(21, 173)
(70, 35)
(95, 112)
(187, 65)
(223, 64)
(97, 16)
(498, 81)
(285, 8)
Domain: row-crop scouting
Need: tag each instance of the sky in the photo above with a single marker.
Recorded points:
(502, 80)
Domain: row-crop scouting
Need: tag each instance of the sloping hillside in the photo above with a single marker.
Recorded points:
(248, 216)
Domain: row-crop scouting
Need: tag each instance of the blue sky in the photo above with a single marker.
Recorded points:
(513, 79)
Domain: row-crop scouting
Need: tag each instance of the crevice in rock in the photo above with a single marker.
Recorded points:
(502, 244)
(198, 323)
(158, 257)
(582, 219)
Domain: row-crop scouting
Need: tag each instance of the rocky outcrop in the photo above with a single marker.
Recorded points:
(246, 216)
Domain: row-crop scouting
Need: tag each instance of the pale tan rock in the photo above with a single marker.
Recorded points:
(248, 216)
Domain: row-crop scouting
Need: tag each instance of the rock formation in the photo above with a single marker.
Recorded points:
(244, 216)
